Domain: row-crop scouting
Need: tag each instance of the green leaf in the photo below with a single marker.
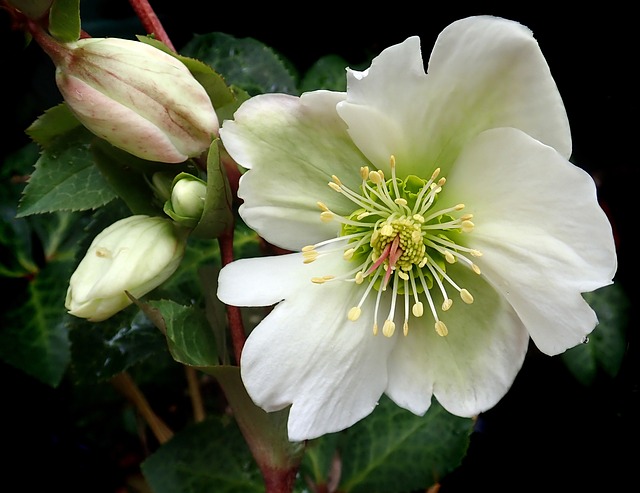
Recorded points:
(246, 63)
(64, 20)
(329, 73)
(395, 451)
(126, 176)
(217, 215)
(102, 350)
(33, 334)
(603, 351)
(65, 178)
(53, 123)
(190, 338)
(205, 457)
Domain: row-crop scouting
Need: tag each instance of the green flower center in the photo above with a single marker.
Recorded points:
(397, 237)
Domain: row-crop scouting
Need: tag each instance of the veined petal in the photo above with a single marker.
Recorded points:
(484, 72)
(470, 369)
(292, 147)
(544, 237)
(330, 369)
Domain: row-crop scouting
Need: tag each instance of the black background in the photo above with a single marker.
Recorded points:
(549, 433)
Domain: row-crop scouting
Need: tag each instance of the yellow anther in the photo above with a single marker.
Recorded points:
(417, 309)
(448, 256)
(375, 329)
(403, 275)
(359, 277)
(309, 260)
(388, 328)
(446, 304)
(308, 248)
(392, 161)
(376, 177)
(459, 207)
(336, 180)
(405, 328)
(326, 216)
(400, 201)
(442, 181)
(335, 186)
(419, 218)
(476, 253)
(322, 206)
(364, 172)
(466, 217)
(318, 280)
(435, 174)
(467, 226)
(466, 296)
(475, 269)
(441, 328)
(348, 254)
(354, 313)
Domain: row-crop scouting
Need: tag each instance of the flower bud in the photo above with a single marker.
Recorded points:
(137, 97)
(187, 200)
(135, 254)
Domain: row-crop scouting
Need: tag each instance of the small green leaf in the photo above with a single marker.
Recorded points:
(394, 451)
(605, 347)
(53, 123)
(217, 215)
(190, 338)
(204, 457)
(64, 20)
(65, 178)
(33, 335)
(246, 63)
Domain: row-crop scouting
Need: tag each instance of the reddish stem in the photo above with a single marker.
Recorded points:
(150, 21)
(233, 312)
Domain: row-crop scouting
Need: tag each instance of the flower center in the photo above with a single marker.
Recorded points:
(396, 236)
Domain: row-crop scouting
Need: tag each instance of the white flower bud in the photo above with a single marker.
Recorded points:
(135, 254)
(137, 97)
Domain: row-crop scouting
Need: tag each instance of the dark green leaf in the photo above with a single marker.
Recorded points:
(243, 62)
(102, 350)
(64, 20)
(205, 457)
(329, 72)
(605, 347)
(33, 334)
(395, 451)
(65, 178)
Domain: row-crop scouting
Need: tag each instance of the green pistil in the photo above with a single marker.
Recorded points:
(397, 237)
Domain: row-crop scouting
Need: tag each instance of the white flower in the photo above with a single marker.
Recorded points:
(135, 254)
(406, 283)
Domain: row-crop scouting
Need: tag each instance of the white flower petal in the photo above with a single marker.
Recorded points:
(484, 72)
(471, 368)
(544, 237)
(308, 354)
(292, 146)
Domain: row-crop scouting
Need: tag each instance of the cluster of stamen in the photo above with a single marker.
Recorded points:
(396, 239)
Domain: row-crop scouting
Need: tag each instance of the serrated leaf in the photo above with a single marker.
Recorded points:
(605, 347)
(395, 451)
(64, 20)
(33, 334)
(208, 456)
(190, 338)
(244, 62)
(102, 350)
(52, 124)
(65, 178)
